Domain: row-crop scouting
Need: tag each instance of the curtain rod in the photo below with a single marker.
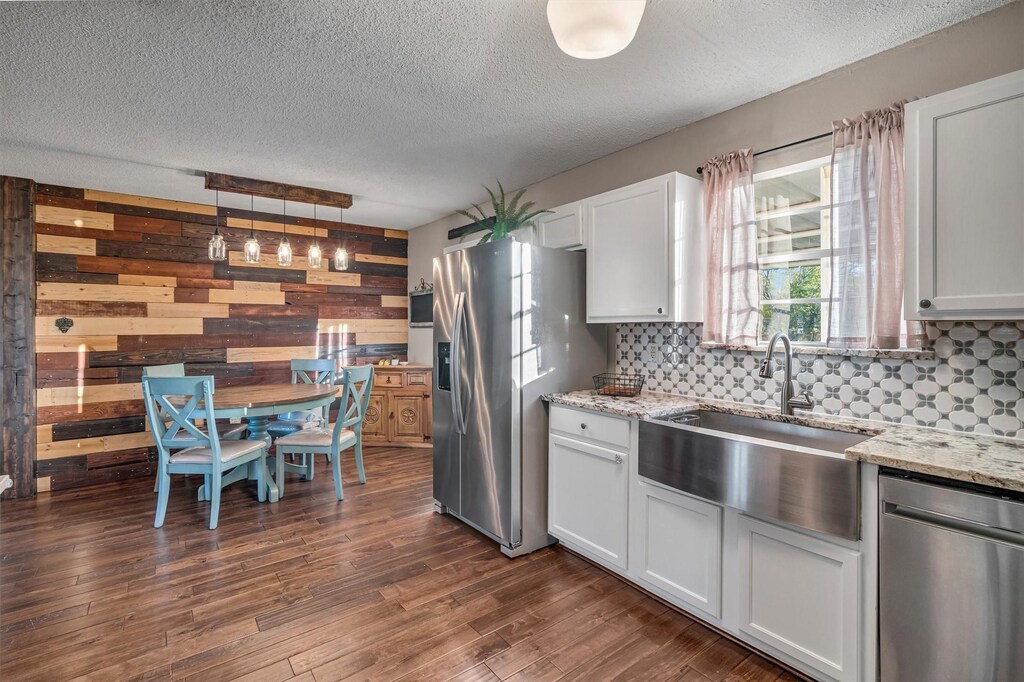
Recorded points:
(700, 169)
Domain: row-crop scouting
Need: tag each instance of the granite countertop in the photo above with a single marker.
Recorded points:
(986, 460)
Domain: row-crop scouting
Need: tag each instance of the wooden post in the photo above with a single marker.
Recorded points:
(17, 334)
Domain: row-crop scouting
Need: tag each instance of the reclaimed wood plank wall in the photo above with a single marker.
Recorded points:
(133, 275)
(17, 343)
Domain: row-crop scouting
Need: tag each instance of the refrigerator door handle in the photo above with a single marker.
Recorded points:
(456, 363)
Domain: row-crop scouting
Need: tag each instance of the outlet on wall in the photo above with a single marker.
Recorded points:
(652, 351)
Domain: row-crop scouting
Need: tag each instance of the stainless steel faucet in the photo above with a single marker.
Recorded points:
(789, 387)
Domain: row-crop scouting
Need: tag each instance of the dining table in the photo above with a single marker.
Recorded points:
(257, 404)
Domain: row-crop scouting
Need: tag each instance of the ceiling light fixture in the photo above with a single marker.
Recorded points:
(284, 249)
(217, 250)
(594, 29)
(251, 250)
(314, 255)
(341, 255)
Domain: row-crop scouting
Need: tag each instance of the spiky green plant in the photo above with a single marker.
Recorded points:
(508, 217)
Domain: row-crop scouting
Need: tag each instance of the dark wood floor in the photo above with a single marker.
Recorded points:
(377, 587)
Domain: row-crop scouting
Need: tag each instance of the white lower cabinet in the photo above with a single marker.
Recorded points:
(795, 595)
(800, 595)
(676, 546)
(588, 494)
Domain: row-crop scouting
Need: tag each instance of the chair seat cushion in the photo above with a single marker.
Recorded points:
(316, 438)
(232, 449)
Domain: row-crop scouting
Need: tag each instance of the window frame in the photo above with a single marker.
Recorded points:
(823, 254)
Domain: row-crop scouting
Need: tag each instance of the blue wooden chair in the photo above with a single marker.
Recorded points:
(225, 430)
(183, 400)
(347, 431)
(305, 372)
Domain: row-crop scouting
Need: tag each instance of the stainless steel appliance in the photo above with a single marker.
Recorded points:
(951, 582)
(789, 472)
(509, 326)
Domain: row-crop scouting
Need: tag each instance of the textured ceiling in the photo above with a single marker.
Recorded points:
(408, 104)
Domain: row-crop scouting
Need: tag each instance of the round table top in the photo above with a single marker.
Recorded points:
(270, 395)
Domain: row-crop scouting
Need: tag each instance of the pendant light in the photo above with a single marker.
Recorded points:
(217, 249)
(314, 255)
(341, 255)
(594, 29)
(251, 250)
(284, 249)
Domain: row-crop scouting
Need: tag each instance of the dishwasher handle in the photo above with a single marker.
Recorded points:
(955, 524)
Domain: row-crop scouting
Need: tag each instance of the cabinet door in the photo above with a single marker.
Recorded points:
(800, 595)
(406, 415)
(628, 275)
(965, 202)
(562, 228)
(676, 546)
(375, 420)
(587, 498)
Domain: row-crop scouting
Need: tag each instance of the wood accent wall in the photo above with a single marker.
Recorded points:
(17, 343)
(133, 274)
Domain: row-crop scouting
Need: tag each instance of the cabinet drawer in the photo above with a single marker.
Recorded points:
(390, 380)
(604, 429)
(417, 379)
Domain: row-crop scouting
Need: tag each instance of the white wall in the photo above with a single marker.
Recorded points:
(983, 47)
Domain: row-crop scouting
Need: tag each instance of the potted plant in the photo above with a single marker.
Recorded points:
(508, 216)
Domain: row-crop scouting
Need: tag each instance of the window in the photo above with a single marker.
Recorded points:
(792, 212)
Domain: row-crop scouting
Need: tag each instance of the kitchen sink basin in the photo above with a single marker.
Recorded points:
(815, 438)
(792, 473)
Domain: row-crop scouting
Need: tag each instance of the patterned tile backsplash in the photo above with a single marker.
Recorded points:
(975, 383)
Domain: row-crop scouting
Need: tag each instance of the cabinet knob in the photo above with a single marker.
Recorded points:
(583, 426)
(659, 311)
(925, 303)
(618, 459)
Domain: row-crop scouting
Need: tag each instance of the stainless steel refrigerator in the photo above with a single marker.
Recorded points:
(509, 326)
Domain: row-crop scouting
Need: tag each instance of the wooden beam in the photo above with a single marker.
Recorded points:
(17, 335)
(458, 232)
(277, 190)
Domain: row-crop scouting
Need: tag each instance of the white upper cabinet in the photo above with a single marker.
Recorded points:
(965, 202)
(562, 228)
(645, 252)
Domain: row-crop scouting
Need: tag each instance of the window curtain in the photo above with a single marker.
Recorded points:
(732, 297)
(866, 305)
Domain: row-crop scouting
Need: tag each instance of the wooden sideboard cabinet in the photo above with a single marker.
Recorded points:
(399, 411)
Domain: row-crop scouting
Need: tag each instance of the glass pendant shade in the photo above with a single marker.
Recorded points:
(341, 259)
(314, 256)
(217, 249)
(593, 29)
(251, 249)
(284, 253)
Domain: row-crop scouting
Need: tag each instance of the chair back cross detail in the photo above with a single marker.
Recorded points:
(356, 398)
(164, 394)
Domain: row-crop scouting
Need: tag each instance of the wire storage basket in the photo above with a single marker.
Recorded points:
(619, 385)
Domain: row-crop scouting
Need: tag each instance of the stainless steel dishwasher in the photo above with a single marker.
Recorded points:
(951, 582)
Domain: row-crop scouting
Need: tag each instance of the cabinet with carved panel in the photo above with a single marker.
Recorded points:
(399, 410)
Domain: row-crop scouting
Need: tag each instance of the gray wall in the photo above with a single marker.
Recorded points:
(986, 46)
